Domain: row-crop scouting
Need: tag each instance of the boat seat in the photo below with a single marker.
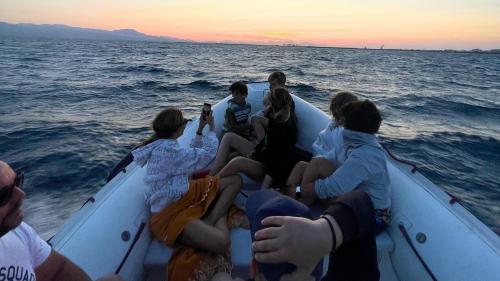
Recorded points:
(384, 243)
(158, 253)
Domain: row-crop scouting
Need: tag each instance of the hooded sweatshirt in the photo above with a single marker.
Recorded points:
(362, 164)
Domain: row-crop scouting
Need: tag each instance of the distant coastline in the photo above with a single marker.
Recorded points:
(60, 31)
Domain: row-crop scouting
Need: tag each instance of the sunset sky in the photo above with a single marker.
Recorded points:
(429, 24)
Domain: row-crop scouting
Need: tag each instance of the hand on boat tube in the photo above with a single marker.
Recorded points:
(288, 239)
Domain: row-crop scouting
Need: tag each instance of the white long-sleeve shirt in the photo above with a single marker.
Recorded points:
(170, 165)
(328, 139)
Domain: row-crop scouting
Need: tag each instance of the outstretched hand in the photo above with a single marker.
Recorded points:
(288, 239)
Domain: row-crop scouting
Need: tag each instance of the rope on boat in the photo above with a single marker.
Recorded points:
(136, 238)
(408, 239)
(413, 166)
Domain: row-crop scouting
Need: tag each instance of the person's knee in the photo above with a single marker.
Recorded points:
(237, 181)
(316, 160)
(227, 138)
(254, 121)
(237, 162)
(234, 183)
(303, 164)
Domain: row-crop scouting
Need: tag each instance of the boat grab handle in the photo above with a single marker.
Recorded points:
(136, 238)
(413, 166)
(408, 239)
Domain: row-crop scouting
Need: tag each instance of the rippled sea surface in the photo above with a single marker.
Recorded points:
(70, 110)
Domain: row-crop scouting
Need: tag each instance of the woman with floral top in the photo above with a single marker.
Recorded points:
(186, 212)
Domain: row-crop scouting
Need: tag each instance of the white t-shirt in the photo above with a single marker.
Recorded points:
(21, 251)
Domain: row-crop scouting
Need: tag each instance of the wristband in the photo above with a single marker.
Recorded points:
(334, 241)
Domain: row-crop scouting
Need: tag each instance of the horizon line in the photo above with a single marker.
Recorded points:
(277, 42)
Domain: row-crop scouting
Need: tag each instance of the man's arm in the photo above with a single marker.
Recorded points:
(59, 268)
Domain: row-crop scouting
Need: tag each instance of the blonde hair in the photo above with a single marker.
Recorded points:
(281, 104)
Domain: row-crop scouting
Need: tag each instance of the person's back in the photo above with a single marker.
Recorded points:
(361, 161)
(363, 150)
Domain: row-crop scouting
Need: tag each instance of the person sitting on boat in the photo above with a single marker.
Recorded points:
(328, 139)
(238, 111)
(331, 136)
(189, 211)
(23, 254)
(259, 120)
(359, 164)
(271, 161)
(282, 237)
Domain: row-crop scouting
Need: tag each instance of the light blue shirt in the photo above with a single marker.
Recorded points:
(361, 164)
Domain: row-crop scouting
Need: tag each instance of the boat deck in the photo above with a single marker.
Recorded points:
(158, 254)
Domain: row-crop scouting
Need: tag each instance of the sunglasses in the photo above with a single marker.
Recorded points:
(7, 191)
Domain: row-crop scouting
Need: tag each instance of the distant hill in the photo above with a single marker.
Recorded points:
(28, 30)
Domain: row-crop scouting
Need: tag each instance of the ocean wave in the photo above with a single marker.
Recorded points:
(474, 171)
(204, 85)
(140, 69)
(439, 105)
(470, 85)
(303, 88)
(31, 59)
(147, 84)
(168, 88)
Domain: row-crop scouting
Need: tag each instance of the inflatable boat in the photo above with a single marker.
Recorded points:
(431, 236)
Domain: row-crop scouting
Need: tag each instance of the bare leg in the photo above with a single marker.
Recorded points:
(233, 155)
(259, 124)
(230, 142)
(318, 168)
(198, 234)
(266, 183)
(254, 169)
(228, 189)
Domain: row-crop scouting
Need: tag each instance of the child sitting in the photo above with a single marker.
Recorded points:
(331, 136)
(360, 163)
(238, 110)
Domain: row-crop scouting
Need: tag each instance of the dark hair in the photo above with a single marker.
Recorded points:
(362, 116)
(338, 100)
(239, 87)
(279, 77)
(167, 122)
